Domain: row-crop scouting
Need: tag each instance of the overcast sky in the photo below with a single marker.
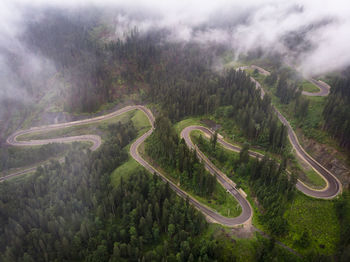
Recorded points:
(242, 25)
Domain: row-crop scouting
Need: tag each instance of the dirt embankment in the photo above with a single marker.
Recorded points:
(336, 162)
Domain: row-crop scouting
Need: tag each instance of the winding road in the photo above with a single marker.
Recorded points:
(324, 88)
(333, 186)
(210, 214)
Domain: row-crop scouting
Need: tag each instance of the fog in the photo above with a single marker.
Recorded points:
(312, 35)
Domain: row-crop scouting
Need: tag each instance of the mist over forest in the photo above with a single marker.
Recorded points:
(304, 33)
(270, 77)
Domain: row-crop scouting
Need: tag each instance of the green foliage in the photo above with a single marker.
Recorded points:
(101, 127)
(321, 118)
(166, 141)
(267, 180)
(219, 156)
(59, 212)
(228, 247)
(181, 78)
(266, 132)
(214, 139)
(342, 206)
(303, 241)
(309, 87)
(124, 171)
(71, 212)
(315, 218)
(140, 122)
(287, 90)
(165, 147)
(11, 157)
(273, 188)
(301, 107)
(244, 154)
(310, 223)
(337, 111)
(271, 79)
(268, 250)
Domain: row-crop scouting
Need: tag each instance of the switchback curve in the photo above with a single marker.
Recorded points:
(211, 215)
(333, 186)
(324, 87)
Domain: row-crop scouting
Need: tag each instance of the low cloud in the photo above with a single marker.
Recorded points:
(312, 35)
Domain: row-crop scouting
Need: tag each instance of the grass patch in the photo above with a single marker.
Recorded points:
(179, 126)
(318, 218)
(141, 122)
(315, 179)
(309, 87)
(231, 131)
(305, 173)
(142, 125)
(124, 171)
(313, 121)
(79, 130)
(245, 249)
(304, 213)
(138, 118)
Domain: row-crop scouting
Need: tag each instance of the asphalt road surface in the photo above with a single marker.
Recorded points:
(95, 140)
(227, 183)
(324, 88)
(333, 185)
(332, 189)
(211, 215)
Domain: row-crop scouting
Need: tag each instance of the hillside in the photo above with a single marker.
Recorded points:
(151, 132)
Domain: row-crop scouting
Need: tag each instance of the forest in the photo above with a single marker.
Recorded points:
(274, 189)
(171, 153)
(267, 180)
(289, 89)
(177, 77)
(343, 214)
(337, 110)
(46, 214)
(66, 39)
(71, 212)
(11, 157)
